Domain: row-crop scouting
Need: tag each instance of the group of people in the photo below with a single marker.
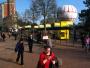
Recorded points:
(47, 58)
(20, 48)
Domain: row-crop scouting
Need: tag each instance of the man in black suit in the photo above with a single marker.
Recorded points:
(30, 43)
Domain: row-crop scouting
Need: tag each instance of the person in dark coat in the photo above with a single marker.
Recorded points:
(39, 39)
(15, 35)
(3, 36)
(30, 43)
(83, 40)
(20, 49)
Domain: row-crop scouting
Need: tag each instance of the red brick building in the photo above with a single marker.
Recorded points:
(8, 8)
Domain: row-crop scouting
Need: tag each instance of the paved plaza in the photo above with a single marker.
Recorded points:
(72, 57)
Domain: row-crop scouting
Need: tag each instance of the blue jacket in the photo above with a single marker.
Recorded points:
(19, 47)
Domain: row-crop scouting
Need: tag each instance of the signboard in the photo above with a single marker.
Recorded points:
(45, 37)
(64, 34)
(28, 26)
(63, 24)
(66, 23)
(57, 24)
(20, 27)
(41, 26)
(36, 26)
(48, 25)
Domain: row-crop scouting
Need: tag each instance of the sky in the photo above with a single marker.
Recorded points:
(21, 5)
(77, 3)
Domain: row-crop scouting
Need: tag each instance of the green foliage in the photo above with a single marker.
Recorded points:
(84, 16)
(87, 3)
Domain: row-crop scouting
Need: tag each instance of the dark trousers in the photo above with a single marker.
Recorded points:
(20, 55)
(15, 37)
(30, 48)
(3, 38)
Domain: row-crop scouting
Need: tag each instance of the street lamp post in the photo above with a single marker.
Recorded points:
(44, 15)
(74, 34)
(33, 18)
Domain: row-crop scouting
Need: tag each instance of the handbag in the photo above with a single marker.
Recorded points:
(56, 65)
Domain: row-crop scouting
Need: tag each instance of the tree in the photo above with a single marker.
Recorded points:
(46, 8)
(87, 3)
(34, 14)
(26, 16)
(84, 16)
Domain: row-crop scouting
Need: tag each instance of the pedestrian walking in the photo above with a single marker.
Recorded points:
(87, 42)
(20, 49)
(82, 37)
(30, 43)
(9, 34)
(46, 58)
(39, 38)
(3, 36)
(15, 35)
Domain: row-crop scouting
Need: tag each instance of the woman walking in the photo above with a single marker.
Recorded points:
(20, 49)
(87, 42)
(47, 57)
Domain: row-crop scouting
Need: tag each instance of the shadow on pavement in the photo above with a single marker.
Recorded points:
(26, 51)
(12, 49)
(7, 60)
(1, 40)
(35, 52)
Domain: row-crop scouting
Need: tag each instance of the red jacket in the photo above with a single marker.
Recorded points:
(42, 57)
